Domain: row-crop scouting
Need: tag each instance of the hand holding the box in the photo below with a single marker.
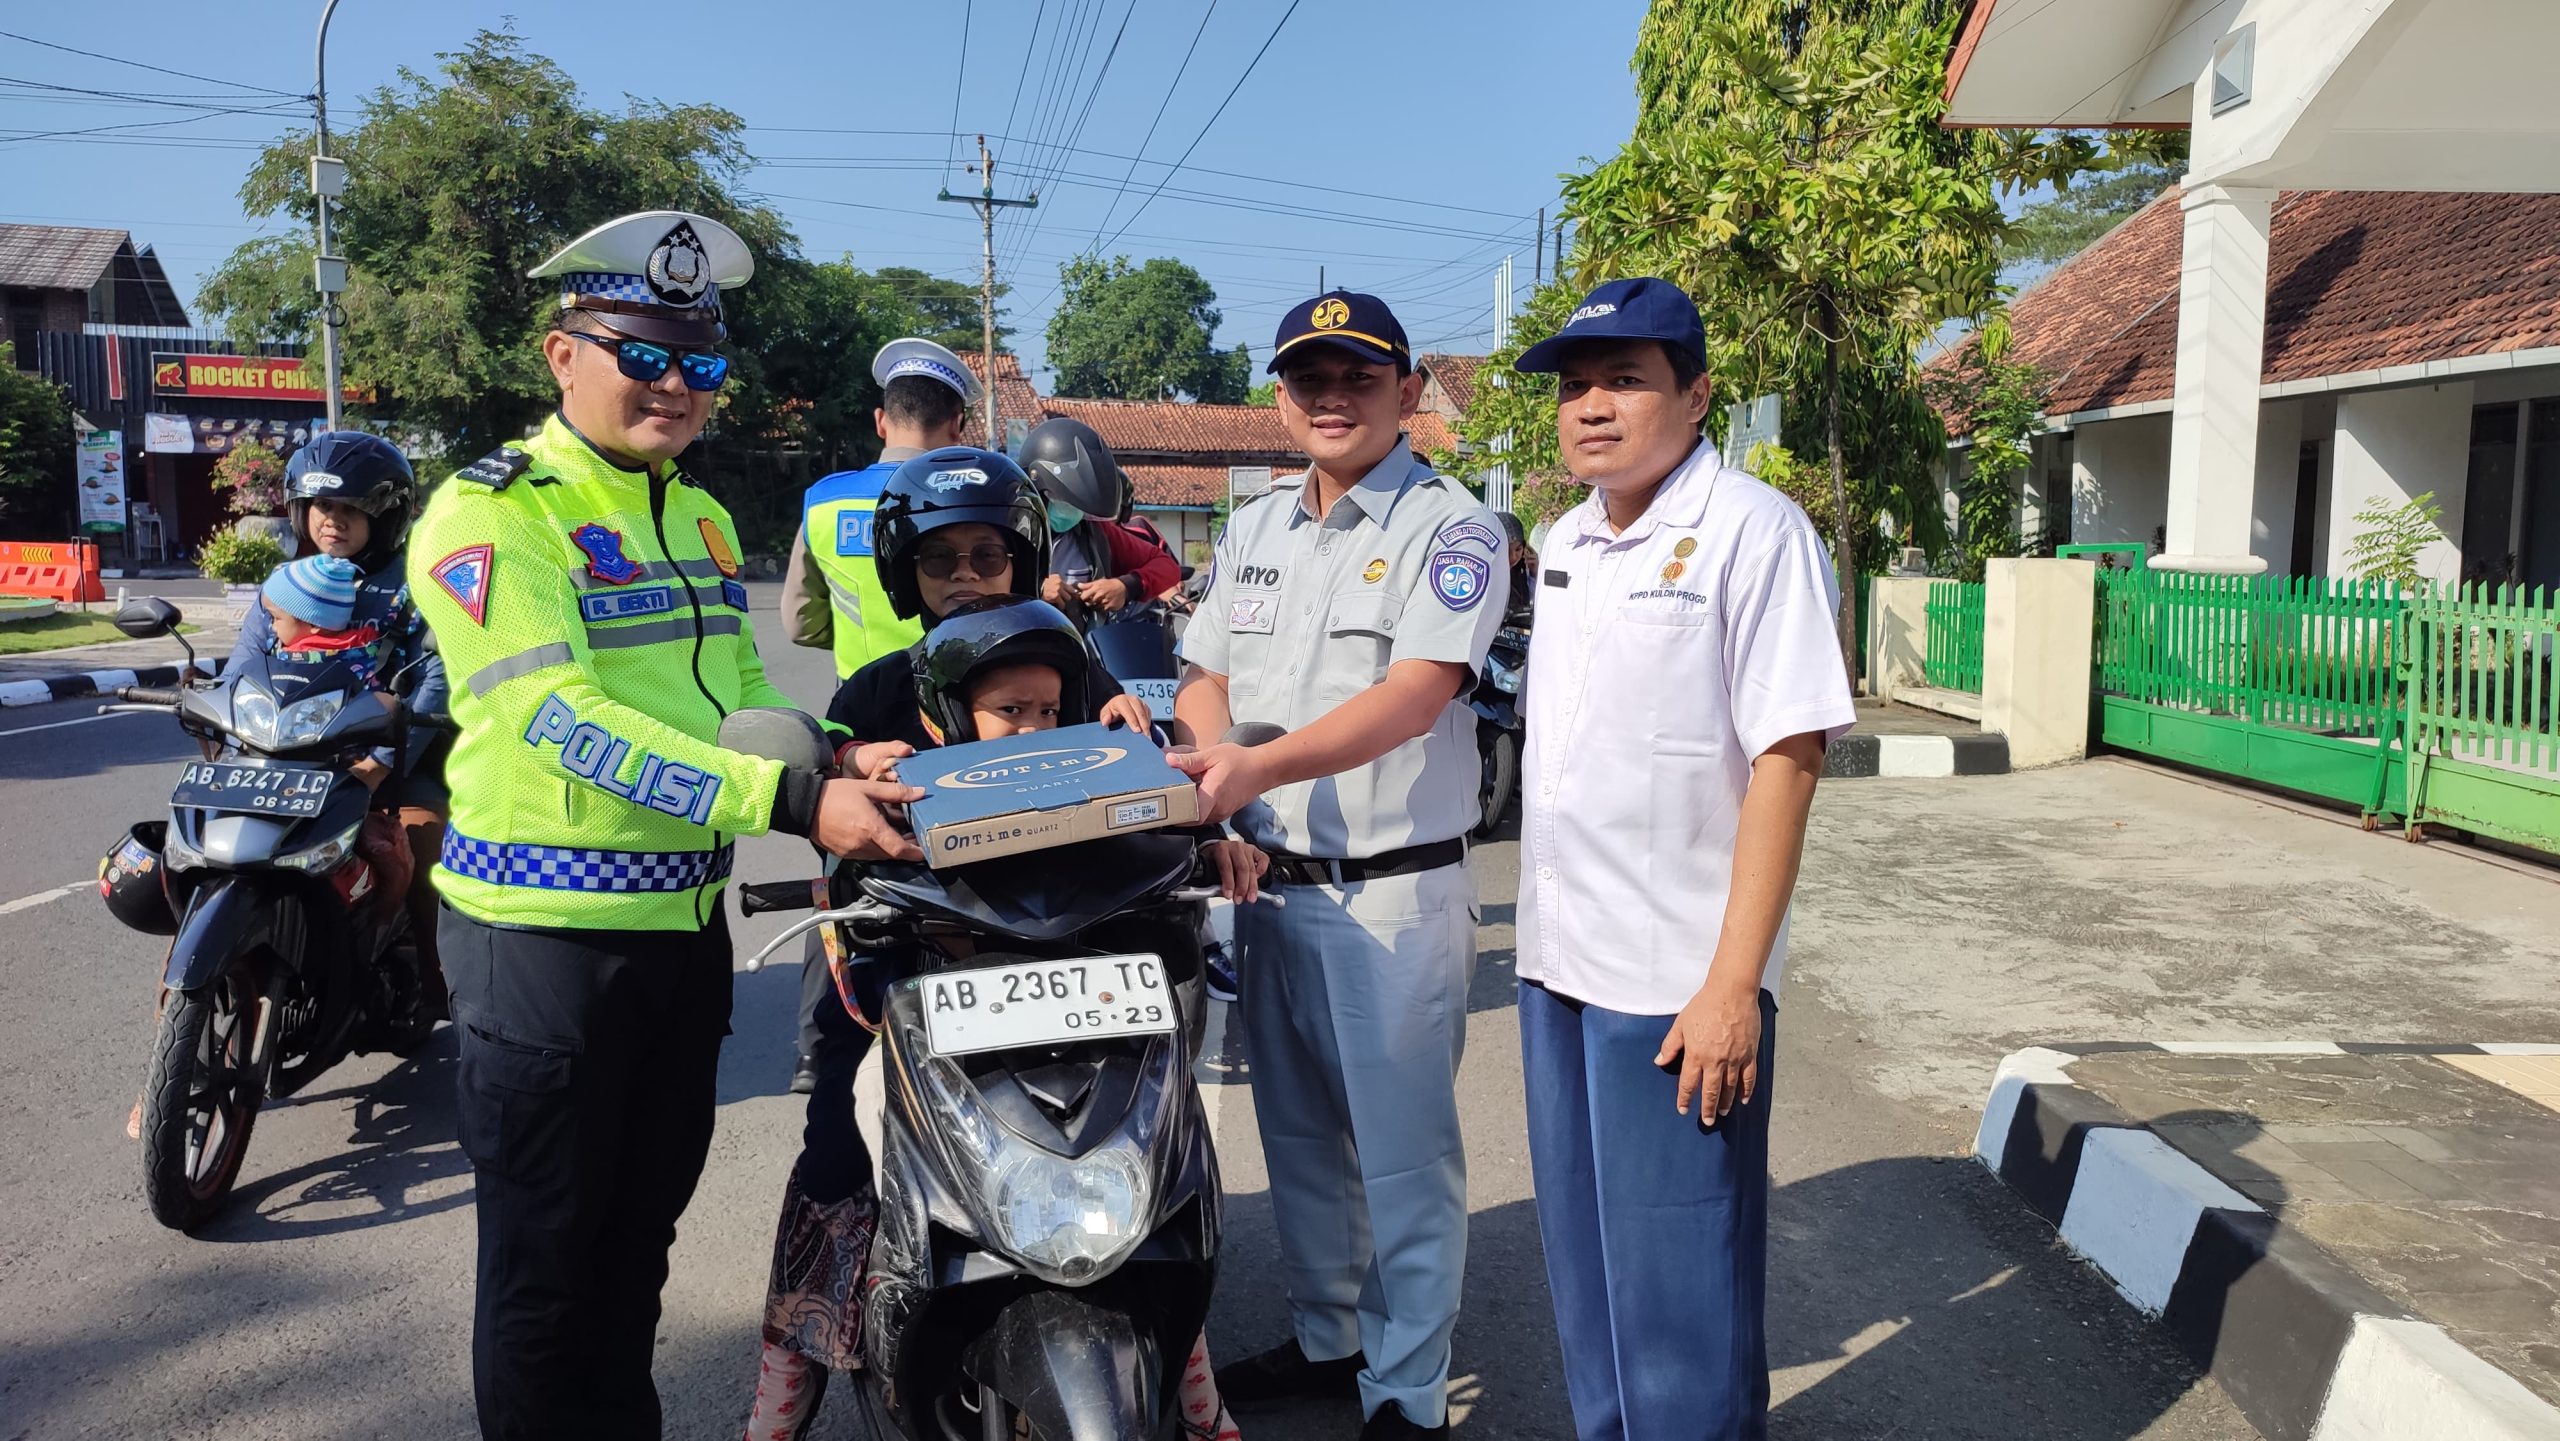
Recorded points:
(1226, 776)
(878, 760)
(1126, 712)
(852, 824)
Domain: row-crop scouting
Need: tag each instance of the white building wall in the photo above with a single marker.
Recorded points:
(2279, 473)
(2393, 445)
(2120, 480)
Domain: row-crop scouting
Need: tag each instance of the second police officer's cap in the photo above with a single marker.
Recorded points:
(653, 276)
(1361, 324)
(911, 356)
(1640, 309)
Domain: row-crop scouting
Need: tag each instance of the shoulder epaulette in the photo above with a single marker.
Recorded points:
(498, 469)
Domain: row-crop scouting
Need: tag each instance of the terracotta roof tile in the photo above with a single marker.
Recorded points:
(1179, 427)
(1456, 374)
(56, 257)
(1177, 484)
(1015, 396)
(2357, 281)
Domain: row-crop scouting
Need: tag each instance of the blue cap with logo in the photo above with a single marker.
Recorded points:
(1361, 324)
(1640, 309)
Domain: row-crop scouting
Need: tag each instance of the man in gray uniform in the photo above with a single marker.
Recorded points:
(1353, 606)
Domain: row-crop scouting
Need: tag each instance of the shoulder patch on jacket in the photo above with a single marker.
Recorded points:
(498, 469)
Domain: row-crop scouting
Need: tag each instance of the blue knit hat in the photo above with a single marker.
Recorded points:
(318, 589)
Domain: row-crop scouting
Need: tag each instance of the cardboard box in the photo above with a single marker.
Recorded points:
(1050, 788)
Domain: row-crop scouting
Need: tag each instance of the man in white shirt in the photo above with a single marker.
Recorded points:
(1687, 681)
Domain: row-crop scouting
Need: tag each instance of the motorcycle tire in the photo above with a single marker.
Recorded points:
(201, 1100)
(1501, 779)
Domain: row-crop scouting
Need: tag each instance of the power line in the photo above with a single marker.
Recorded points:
(959, 80)
(1076, 132)
(163, 70)
(1249, 68)
(1054, 100)
(1178, 72)
(74, 94)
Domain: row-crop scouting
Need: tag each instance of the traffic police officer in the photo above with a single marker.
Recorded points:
(1353, 606)
(831, 588)
(584, 592)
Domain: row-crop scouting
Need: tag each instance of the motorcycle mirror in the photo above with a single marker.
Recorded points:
(148, 618)
(1254, 733)
(789, 736)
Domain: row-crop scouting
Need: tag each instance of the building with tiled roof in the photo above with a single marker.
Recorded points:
(1448, 382)
(63, 277)
(1016, 397)
(2412, 344)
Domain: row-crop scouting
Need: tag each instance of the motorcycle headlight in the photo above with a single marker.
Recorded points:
(1069, 1220)
(324, 857)
(1506, 679)
(253, 715)
(304, 720)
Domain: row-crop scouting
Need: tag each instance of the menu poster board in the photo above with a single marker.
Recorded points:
(101, 479)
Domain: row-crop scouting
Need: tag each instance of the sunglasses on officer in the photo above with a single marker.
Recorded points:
(645, 363)
(985, 561)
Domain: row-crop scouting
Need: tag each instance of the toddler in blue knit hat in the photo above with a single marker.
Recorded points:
(312, 602)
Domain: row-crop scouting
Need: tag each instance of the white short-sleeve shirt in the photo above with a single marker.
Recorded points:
(1663, 661)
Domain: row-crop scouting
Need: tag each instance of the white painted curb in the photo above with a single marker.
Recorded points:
(2134, 1206)
(1915, 757)
(2409, 1381)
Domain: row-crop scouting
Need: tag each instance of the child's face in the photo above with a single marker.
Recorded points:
(1015, 700)
(955, 551)
(290, 628)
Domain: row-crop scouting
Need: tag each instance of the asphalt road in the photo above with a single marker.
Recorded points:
(1910, 1296)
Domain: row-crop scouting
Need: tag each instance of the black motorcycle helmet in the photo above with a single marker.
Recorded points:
(134, 881)
(956, 485)
(998, 631)
(364, 471)
(1073, 468)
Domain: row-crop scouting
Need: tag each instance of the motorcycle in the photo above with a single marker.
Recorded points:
(1496, 702)
(1049, 1206)
(287, 951)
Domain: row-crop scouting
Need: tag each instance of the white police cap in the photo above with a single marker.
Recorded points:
(912, 356)
(656, 275)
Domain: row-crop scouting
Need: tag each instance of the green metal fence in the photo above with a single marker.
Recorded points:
(1955, 611)
(2434, 707)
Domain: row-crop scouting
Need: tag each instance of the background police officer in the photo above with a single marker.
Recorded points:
(1353, 605)
(831, 591)
(585, 594)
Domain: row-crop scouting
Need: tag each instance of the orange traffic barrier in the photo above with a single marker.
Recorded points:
(51, 570)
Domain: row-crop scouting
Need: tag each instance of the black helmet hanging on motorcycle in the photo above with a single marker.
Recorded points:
(134, 881)
(1073, 468)
(956, 485)
(359, 469)
(999, 631)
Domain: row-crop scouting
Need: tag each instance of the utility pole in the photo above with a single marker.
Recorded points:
(328, 182)
(1320, 280)
(1538, 267)
(987, 204)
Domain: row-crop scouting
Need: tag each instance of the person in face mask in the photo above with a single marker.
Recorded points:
(1100, 562)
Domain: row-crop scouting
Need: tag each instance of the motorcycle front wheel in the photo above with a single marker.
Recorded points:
(201, 1100)
(1501, 778)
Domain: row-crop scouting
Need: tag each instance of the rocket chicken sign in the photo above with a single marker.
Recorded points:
(240, 377)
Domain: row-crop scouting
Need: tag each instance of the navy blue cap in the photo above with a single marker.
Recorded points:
(1640, 309)
(1361, 324)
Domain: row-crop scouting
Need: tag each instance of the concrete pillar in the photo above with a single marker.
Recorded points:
(2392, 446)
(2039, 617)
(2222, 336)
(1897, 634)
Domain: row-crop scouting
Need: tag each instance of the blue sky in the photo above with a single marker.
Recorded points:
(1407, 103)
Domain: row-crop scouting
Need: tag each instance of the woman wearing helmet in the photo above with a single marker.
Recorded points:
(1098, 557)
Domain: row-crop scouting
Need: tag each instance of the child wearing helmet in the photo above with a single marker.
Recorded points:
(961, 539)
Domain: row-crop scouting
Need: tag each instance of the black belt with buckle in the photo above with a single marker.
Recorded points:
(1289, 870)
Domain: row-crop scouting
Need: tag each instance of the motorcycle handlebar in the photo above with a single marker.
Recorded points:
(757, 899)
(147, 695)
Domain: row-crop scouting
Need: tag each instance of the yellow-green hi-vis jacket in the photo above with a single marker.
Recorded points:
(596, 631)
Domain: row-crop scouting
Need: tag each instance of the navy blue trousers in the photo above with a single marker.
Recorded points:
(1656, 1228)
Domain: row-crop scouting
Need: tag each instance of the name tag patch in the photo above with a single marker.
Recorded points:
(622, 604)
(1259, 577)
(1474, 530)
(1460, 578)
(595, 755)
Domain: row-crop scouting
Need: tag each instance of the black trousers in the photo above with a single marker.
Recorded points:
(589, 1080)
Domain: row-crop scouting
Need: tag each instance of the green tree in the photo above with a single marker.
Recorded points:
(1265, 394)
(1789, 170)
(2051, 231)
(946, 310)
(458, 183)
(35, 437)
(2389, 539)
(1141, 333)
(1998, 404)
